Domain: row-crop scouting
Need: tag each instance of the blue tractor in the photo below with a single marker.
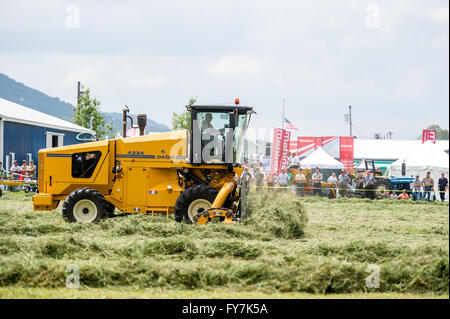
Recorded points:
(385, 184)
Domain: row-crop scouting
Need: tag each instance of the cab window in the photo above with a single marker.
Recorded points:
(84, 164)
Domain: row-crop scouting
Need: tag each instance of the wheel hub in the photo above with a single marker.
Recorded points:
(197, 207)
(85, 211)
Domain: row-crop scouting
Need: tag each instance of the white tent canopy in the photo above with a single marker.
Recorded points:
(321, 159)
(426, 157)
(390, 150)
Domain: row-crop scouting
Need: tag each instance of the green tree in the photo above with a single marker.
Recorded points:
(441, 134)
(88, 114)
(183, 120)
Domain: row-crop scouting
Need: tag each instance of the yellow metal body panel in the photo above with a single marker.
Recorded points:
(146, 180)
(44, 202)
(226, 189)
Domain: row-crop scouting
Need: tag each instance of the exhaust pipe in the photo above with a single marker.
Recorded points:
(142, 123)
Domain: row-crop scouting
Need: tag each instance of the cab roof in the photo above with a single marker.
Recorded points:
(221, 107)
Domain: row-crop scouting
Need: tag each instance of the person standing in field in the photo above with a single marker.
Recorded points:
(334, 181)
(23, 172)
(368, 184)
(317, 182)
(3, 175)
(15, 170)
(428, 186)
(283, 180)
(416, 189)
(343, 183)
(443, 186)
(2, 171)
(259, 175)
(270, 181)
(300, 181)
(31, 170)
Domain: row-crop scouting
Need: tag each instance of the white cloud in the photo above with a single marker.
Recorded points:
(438, 14)
(441, 41)
(236, 65)
(320, 56)
(89, 74)
(148, 82)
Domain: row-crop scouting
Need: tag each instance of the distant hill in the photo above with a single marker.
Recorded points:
(19, 93)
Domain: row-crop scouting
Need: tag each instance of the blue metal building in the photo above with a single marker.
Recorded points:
(24, 131)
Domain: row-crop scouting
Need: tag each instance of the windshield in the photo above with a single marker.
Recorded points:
(220, 135)
(238, 145)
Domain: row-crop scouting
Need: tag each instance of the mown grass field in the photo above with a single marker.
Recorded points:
(287, 248)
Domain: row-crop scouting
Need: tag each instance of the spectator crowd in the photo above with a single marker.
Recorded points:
(25, 172)
(345, 184)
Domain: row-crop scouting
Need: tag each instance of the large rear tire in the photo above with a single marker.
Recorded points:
(194, 200)
(381, 188)
(85, 205)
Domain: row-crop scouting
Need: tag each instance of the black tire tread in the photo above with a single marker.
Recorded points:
(381, 182)
(85, 193)
(188, 196)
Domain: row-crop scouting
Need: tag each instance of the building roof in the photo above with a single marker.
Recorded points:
(13, 112)
(389, 149)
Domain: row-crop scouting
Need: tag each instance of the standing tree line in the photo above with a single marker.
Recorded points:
(183, 119)
(441, 134)
(87, 113)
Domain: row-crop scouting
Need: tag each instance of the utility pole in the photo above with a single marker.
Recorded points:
(78, 93)
(350, 118)
(282, 119)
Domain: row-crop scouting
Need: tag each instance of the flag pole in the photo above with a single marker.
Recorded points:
(282, 119)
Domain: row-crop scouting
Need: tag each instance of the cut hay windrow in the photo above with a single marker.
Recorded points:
(277, 248)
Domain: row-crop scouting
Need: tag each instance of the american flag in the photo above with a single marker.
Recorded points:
(289, 126)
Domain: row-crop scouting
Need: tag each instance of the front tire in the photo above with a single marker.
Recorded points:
(193, 200)
(85, 205)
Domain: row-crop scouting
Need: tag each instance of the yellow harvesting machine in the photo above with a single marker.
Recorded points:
(191, 173)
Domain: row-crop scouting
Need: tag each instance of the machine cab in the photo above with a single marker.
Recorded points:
(217, 133)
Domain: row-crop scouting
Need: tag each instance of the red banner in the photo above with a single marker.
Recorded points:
(280, 148)
(305, 144)
(285, 149)
(429, 135)
(347, 152)
(293, 146)
(327, 139)
(338, 147)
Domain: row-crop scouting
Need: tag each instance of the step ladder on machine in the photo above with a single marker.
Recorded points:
(159, 212)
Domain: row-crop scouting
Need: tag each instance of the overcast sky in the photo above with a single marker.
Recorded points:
(389, 59)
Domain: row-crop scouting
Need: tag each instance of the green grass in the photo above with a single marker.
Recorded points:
(287, 248)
